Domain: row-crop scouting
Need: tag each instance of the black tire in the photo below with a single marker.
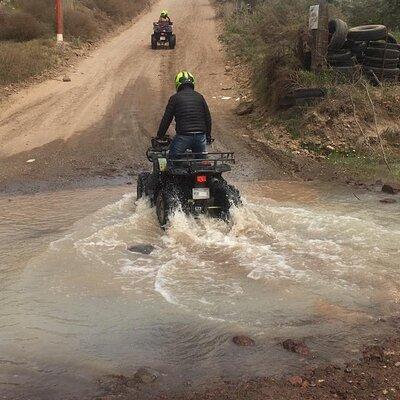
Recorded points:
(344, 70)
(142, 181)
(172, 41)
(391, 39)
(343, 55)
(387, 54)
(349, 63)
(338, 29)
(153, 42)
(384, 45)
(367, 33)
(309, 93)
(383, 74)
(380, 63)
(165, 205)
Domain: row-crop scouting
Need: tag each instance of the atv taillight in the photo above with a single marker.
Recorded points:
(201, 178)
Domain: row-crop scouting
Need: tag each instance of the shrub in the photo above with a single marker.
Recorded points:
(361, 12)
(42, 10)
(267, 37)
(120, 10)
(21, 27)
(80, 24)
(19, 61)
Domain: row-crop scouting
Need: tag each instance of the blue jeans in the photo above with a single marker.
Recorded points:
(180, 143)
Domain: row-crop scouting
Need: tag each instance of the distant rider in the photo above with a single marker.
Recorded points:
(164, 18)
(192, 117)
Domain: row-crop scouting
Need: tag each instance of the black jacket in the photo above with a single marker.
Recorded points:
(190, 111)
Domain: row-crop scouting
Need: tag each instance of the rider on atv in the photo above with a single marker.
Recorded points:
(164, 18)
(192, 118)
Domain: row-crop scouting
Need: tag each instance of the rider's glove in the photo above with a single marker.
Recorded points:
(209, 140)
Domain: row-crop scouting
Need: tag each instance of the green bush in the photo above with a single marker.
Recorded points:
(361, 12)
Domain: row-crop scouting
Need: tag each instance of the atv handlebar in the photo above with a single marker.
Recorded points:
(158, 145)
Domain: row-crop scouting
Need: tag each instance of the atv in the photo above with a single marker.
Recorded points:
(192, 182)
(163, 35)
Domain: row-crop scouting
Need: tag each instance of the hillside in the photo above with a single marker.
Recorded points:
(27, 33)
(353, 131)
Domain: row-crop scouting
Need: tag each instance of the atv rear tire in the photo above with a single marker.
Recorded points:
(165, 205)
(153, 42)
(172, 42)
(225, 196)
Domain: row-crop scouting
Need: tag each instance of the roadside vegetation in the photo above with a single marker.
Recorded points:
(355, 124)
(27, 39)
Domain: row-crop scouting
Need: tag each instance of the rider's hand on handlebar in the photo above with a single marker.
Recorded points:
(210, 140)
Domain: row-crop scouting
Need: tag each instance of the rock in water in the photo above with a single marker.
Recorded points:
(141, 248)
(296, 346)
(146, 375)
(245, 108)
(243, 341)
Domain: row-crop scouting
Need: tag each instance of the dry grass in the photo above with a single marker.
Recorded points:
(80, 24)
(23, 56)
(20, 61)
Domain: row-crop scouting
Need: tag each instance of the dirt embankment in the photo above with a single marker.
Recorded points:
(351, 134)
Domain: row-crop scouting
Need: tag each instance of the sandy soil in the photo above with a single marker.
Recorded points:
(99, 124)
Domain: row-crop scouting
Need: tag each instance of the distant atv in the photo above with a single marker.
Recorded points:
(192, 182)
(163, 35)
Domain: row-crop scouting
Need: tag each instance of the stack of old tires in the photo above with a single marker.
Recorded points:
(381, 54)
(370, 46)
(341, 58)
(382, 60)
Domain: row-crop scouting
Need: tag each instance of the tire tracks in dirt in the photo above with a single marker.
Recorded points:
(100, 123)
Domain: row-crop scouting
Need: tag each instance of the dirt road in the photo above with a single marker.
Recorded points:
(99, 124)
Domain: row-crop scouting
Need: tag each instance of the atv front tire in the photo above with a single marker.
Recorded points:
(172, 42)
(142, 181)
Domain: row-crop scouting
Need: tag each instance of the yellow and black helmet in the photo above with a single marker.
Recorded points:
(164, 14)
(184, 78)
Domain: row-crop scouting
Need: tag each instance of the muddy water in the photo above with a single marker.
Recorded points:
(297, 261)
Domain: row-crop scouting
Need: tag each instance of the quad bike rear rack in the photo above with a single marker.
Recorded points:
(192, 163)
